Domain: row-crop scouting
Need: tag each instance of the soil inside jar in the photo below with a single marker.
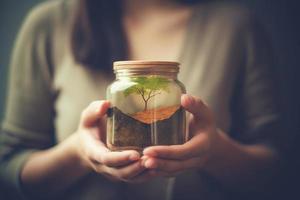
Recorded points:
(161, 126)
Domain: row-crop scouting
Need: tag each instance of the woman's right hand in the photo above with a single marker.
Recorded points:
(93, 153)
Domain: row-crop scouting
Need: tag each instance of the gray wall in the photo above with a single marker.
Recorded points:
(12, 13)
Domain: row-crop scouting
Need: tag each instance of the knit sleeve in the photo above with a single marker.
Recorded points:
(255, 105)
(28, 120)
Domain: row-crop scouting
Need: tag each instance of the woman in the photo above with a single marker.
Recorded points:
(52, 136)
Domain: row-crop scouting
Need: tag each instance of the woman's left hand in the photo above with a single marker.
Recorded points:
(194, 154)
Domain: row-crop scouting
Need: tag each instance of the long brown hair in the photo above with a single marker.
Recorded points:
(97, 37)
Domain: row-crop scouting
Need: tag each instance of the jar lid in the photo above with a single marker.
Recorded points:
(145, 64)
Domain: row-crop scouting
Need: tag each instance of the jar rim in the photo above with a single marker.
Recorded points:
(144, 64)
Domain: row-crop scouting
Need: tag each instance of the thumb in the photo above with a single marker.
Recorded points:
(193, 105)
(95, 111)
(202, 116)
(197, 107)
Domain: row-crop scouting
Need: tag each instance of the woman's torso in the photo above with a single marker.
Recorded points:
(209, 64)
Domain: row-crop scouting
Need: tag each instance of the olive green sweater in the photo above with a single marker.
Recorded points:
(225, 60)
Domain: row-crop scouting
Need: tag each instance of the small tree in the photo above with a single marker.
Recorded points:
(147, 87)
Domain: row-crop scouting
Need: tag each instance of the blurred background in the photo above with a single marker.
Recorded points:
(281, 19)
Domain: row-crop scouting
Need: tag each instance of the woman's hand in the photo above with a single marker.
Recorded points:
(171, 160)
(94, 154)
(51, 171)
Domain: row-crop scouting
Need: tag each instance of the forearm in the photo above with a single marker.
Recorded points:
(239, 165)
(50, 171)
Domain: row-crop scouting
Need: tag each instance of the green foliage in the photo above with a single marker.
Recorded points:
(147, 87)
(147, 84)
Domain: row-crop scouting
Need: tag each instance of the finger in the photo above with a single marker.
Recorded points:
(127, 172)
(110, 177)
(170, 166)
(94, 112)
(118, 159)
(100, 154)
(94, 149)
(194, 147)
(173, 167)
(194, 105)
(143, 177)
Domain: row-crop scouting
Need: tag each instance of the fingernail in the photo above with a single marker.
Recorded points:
(134, 157)
(150, 164)
(143, 160)
(187, 98)
(190, 98)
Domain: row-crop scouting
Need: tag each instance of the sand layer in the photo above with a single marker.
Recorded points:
(157, 114)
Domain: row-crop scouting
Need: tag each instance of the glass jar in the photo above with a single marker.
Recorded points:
(145, 105)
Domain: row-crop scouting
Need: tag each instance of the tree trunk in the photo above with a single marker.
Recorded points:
(146, 105)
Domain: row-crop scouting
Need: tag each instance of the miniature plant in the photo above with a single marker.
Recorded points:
(147, 87)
